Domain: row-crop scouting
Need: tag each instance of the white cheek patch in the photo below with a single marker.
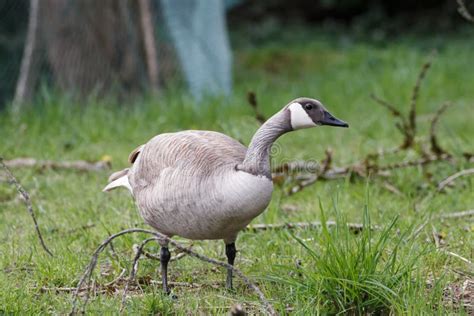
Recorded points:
(299, 118)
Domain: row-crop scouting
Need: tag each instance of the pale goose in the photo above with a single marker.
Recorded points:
(206, 185)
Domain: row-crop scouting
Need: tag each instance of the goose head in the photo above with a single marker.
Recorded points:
(306, 113)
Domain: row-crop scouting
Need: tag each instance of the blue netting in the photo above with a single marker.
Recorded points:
(199, 34)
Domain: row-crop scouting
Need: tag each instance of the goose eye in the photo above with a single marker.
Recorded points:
(308, 106)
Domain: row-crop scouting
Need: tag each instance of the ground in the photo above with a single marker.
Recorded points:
(299, 271)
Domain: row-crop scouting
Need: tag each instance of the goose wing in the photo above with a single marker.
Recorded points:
(192, 154)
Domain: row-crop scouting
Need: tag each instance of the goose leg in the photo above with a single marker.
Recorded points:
(230, 252)
(164, 259)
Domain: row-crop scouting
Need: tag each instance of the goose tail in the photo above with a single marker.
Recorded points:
(118, 179)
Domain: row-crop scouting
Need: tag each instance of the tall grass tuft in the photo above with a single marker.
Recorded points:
(367, 272)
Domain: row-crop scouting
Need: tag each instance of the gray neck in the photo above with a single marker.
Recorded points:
(257, 159)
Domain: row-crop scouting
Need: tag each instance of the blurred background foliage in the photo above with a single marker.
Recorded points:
(95, 47)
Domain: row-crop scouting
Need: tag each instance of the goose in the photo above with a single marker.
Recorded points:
(204, 185)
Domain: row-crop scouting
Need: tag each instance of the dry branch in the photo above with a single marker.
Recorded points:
(102, 288)
(252, 100)
(453, 177)
(356, 227)
(464, 12)
(435, 147)
(410, 163)
(82, 228)
(455, 255)
(85, 278)
(106, 287)
(27, 200)
(116, 279)
(353, 226)
(30, 61)
(414, 99)
(418, 230)
(407, 124)
(57, 289)
(297, 166)
(134, 269)
(454, 215)
(391, 188)
(182, 284)
(303, 184)
(362, 169)
(437, 240)
(467, 213)
(403, 125)
(383, 152)
(392, 109)
(79, 165)
(326, 162)
(307, 173)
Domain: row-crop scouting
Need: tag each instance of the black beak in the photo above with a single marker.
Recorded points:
(332, 121)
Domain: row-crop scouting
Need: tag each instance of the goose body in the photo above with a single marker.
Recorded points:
(186, 184)
(206, 185)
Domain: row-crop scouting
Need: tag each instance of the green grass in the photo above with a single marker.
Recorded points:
(366, 274)
(380, 271)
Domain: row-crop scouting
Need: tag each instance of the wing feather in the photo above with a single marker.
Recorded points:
(196, 154)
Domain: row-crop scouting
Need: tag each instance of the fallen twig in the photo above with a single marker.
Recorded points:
(116, 279)
(437, 241)
(457, 214)
(454, 215)
(63, 289)
(85, 278)
(455, 255)
(134, 270)
(106, 287)
(182, 284)
(353, 226)
(79, 165)
(73, 230)
(362, 169)
(27, 201)
(411, 163)
(391, 188)
(102, 288)
(383, 152)
(435, 237)
(453, 177)
(297, 166)
(303, 184)
(419, 229)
